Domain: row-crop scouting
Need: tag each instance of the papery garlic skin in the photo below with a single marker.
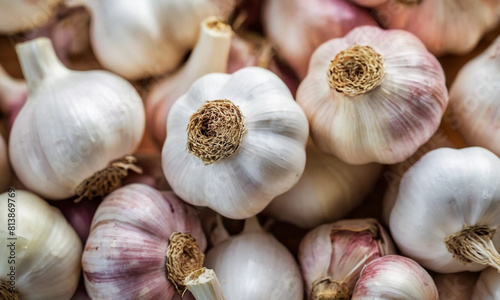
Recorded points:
(138, 39)
(5, 172)
(444, 191)
(474, 100)
(327, 190)
(16, 16)
(455, 286)
(73, 123)
(124, 257)
(386, 113)
(395, 277)
(271, 149)
(445, 27)
(47, 249)
(298, 27)
(487, 286)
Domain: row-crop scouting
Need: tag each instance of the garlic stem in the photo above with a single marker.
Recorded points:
(252, 225)
(204, 285)
(474, 245)
(6, 294)
(39, 61)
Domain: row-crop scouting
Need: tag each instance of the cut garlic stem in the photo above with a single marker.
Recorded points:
(204, 285)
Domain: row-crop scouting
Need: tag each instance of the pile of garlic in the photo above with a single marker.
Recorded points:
(240, 149)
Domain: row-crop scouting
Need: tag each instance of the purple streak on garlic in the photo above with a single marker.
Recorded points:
(332, 256)
(13, 95)
(298, 27)
(125, 254)
(5, 172)
(487, 286)
(455, 286)
(394, 277)
(373, 96)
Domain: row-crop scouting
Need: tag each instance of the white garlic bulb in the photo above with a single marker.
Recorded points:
(40, 251)
(447, 210)
(474, 100)
(327, 190)
(72, 126)
(137, 39)
(394, 277)
(16, 16)
(487, 286)
(373, 96)
(455, 286)
(5, 172)
(254, 265)
(229, 137)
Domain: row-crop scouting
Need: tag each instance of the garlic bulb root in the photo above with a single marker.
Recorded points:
(7, 294)
(409, 2)
(474, 245)
(356, 70)
(215, 131)
(204, 285)
(107, 180)
(183, 257)
(327, 289)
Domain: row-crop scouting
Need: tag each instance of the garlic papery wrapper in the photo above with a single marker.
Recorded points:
(395, 277)
(244, 131)
(138, 39)
(5, 172)
(142, 245)
(298, 27)
(254, 265)
(444, 26)
(373, 96)
(332, 255)
(455, 286)
(474, 100)
(40, 251)
(13, 94)
(210, 55)
(204, 285)
(447, 210)
(72, 126)
(327, 190)
(16, 16)
(487, 285)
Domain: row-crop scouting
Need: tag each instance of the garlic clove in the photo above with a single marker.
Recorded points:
(17, 16)
(5, 172)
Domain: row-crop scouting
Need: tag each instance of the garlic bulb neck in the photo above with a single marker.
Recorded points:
(409, 2)
(356, 70)
(107, 180)
(215, 131)
(39, 61)
(7, 294)
(474, 245)
(204, 285)
(183, 257)
(327, 289)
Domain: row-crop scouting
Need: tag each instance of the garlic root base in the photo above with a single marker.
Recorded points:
(6, 294)
(327, 289)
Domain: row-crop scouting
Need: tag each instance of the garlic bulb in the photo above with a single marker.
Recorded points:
(210, 55)
(443, 26)
(328, 189)
(447, 210)
(243, 131)
(373, 96)
(13, 94)
(40, 251)
(455, 286)
(298, 27)
(5, 173)
(395, 277)
(474, 100)
(16, 16)
(137, 39)
(254, 265)
(332, 255)
(142, 245)
(72, 125)
(487, 286)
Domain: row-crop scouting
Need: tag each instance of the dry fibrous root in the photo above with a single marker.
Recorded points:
(356, 70)
(107, 180)
(6, 294)
(327, 289)
(409, 2)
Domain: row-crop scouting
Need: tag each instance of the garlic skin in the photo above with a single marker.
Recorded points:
(332, 255)
(125, 254)
(327, 190)
(455, 286)
(265, 142)
(449, 202)
(474, 100)
(139, 39)
(487, 286)
(298, 27)
(5, 171)
(395, 277)
(254, 265)
(13, 94)
(445, 27)
(17, 16)
(73, 123)
(387, 112)
(47, 249)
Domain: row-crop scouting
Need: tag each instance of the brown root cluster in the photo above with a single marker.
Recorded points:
(327, 289)
(356, 70)
(6, 294)
(409, 2)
